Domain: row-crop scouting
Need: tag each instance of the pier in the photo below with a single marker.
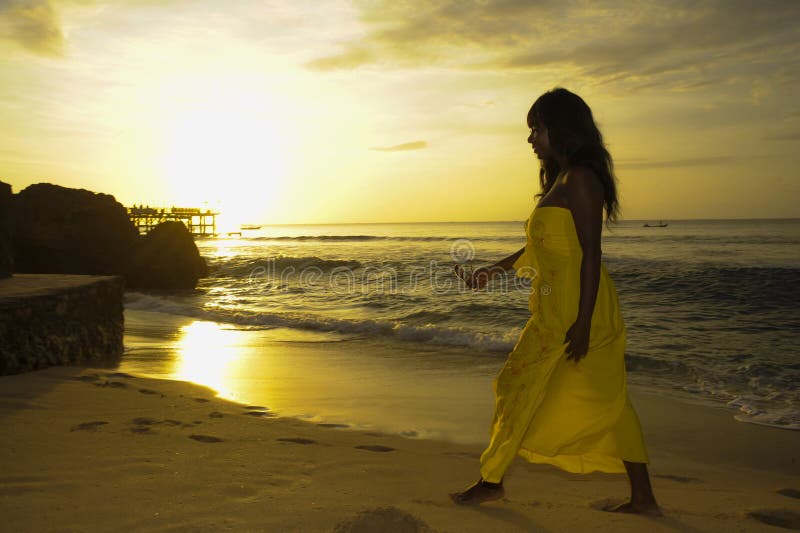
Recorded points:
(201, 222)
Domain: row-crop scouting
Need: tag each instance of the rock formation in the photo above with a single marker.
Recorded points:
(57, 230)
(166, 258)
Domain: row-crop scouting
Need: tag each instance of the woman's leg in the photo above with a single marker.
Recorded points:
(642, 499)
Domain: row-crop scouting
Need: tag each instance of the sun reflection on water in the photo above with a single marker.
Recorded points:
(209, 355)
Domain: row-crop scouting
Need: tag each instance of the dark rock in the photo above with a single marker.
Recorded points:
(166, 258)
(74, 231)
(6, 251)
(70, 231)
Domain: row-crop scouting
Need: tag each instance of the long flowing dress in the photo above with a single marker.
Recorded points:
(576, 416)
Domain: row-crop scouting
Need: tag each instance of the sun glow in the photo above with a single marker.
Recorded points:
(224, 149)
(208, 355)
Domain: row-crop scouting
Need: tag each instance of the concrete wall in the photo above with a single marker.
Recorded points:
(48, 320)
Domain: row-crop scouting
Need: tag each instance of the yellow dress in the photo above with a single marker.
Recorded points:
(576, 416)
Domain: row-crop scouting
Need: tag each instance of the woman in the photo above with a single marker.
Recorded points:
(561, 397)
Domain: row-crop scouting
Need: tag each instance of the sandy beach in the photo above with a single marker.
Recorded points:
(97, 450)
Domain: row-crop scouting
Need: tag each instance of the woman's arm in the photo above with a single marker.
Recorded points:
(585, 196)
(508, 262)
(481, 276)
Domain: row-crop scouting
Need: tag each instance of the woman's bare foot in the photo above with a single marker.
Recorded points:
(481, 491)
(645, 508)
(642, 500)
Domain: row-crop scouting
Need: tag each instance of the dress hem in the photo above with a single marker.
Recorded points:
(581, 464)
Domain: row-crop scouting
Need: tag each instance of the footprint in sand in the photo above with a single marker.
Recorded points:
(205, 438)
(119, 375)
(258, 410)
(202, 400)
(112, 384)
(297, 440)
(465, 454)
(144, 421)
(89, 426)
(329, 425)
(215, 414)
(374, 448)
(143, 425)
(789, 493)
(679, 479)
(777, 517)
(149, 391)
(87, 377)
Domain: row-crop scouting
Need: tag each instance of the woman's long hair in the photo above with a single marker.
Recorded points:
(574, 135)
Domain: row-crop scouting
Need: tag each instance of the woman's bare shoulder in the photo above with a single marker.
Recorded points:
(582, 175)
(583, 185)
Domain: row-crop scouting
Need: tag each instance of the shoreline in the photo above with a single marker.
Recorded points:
(330, 354)
(390, 387)
(94, 449)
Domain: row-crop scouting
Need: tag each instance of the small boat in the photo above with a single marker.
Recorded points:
(249, 226)
(660, 224)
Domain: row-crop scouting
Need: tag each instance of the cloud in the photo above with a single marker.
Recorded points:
(35, 25)
(680, 43)
(32, 24)
(415, 145)
(353, 57)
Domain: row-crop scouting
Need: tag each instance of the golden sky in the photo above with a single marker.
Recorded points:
(309, 111)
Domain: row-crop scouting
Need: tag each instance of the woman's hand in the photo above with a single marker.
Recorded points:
(478, 278)
(577, 339)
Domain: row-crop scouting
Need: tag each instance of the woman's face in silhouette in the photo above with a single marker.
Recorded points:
(539, 140)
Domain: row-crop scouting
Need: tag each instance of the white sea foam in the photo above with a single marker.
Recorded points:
(426, 333)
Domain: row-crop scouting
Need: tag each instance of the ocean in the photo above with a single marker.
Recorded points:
(711, 309)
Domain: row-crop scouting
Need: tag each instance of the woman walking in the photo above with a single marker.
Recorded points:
(561, 397)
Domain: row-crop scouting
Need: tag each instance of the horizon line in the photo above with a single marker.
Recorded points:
(669, 220)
